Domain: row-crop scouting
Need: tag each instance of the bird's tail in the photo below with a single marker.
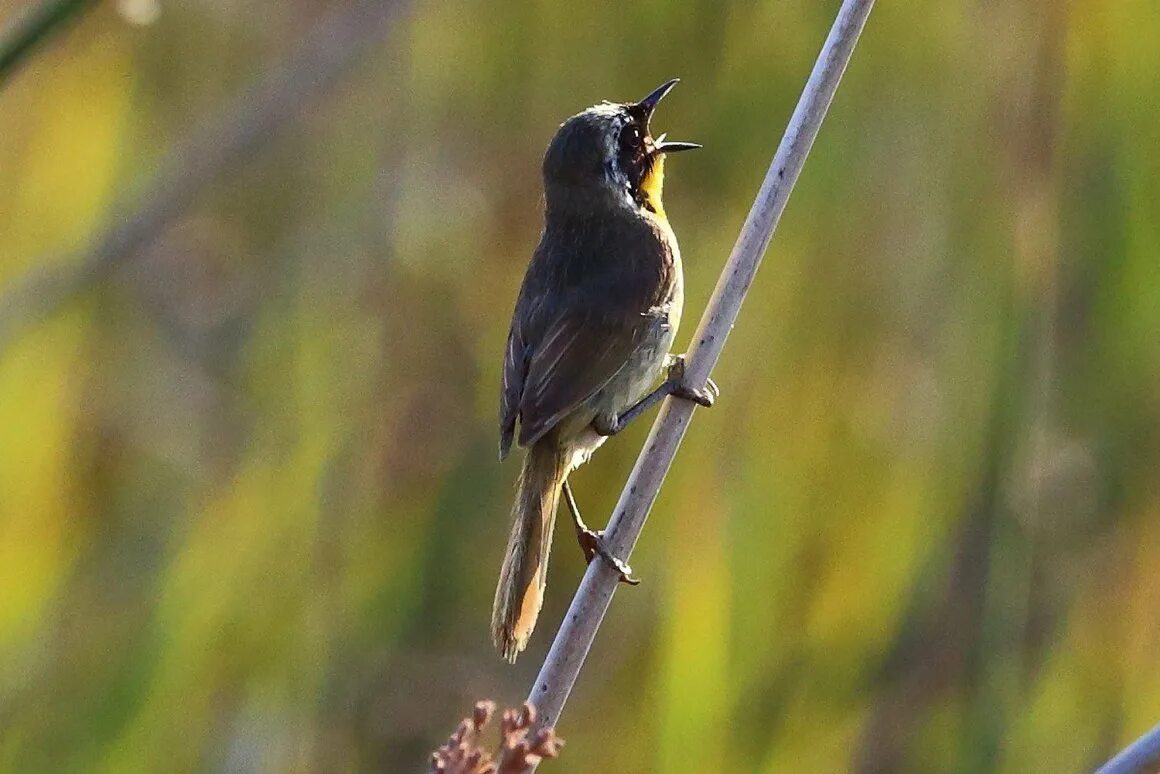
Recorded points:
(525, 563)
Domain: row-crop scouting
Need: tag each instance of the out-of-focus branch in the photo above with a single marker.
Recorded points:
(569, 649)
(248, 122)
(1140, 756)
(31, 29)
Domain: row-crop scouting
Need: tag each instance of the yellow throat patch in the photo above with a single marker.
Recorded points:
(651, 184)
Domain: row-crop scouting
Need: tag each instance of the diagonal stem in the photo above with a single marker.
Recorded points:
(31, 29)
(569, 649)
(1140, 756)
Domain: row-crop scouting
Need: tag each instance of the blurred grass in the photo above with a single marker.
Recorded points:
(250, 513)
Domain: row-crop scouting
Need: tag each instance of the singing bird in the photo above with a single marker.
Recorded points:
(591, 333)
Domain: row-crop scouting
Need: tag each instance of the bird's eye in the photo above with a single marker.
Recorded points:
(631, 142)
(632, 155)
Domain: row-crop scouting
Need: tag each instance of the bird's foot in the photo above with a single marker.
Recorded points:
(607, 425)
(703, 396)
(592, 544)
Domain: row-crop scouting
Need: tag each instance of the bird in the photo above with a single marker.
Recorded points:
(592, 329)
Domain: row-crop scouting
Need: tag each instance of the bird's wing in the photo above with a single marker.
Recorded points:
(515, 371)
(578, 355)
(580, 350)
(557, 359)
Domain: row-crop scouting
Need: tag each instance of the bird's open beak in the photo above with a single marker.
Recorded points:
(675, 147)
(647, 105)
(644, 110)
(661, 145)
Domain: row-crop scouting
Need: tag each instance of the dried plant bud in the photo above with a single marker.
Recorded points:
(546, 744)
(481, 716)
(462, 753)
(518, 754)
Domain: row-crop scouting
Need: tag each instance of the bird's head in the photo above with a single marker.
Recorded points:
(607, 153)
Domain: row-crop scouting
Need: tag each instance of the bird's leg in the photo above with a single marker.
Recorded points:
(674, 385)
(592, 541)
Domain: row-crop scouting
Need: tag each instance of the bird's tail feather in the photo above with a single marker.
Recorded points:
(520, 592)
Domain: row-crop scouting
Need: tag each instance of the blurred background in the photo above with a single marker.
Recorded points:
(257, 263)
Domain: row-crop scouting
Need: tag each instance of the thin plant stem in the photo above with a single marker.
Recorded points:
(570, 647)
(1140, 756)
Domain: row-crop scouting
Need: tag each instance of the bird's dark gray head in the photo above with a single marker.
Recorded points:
(607, 150)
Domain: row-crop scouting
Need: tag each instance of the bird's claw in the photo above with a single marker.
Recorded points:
(702, 396)
(592, 544)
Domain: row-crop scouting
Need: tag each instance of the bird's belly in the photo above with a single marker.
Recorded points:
(638, 375)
